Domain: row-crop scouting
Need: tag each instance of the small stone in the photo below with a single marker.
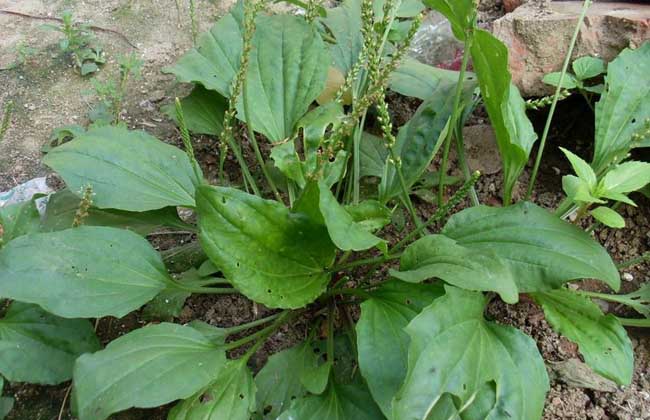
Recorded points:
(627, 277)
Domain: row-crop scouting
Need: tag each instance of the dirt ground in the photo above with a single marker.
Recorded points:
(49, 93)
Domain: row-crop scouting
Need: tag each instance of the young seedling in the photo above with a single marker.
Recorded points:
(111, 93)
(79, 43)
(586, 189)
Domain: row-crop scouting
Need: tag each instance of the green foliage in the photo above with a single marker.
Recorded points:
(137, 164)
(79, 43)
(41, 348)
(507, 110)
(451, 338)
(6, 403)
(622, 109)
(270, 254)
(602, 340)
(341, 174)
(584, 69)
(151, 366)
(111, 93)
(89, 271)
(542, 251)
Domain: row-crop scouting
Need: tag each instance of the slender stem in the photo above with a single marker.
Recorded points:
(347, 291)
(253, 140)
(261, 334)
(406, 198)
(454, 117)
(460, 150)
(253, 324)
(556, 97)
(635, 322)
(242, 164)
(442, 211)
(330, 332)
(356, 159)
(364, 261)
(634, 261)
(208, 282)
(203, 290)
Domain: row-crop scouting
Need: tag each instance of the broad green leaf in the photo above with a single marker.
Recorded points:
(148, 367)
(602, 340)
(373, 155)
(418, 141)
(422, 81)
(542, 251)
(203, 111)
(382, 344)
(230, 397)
(289, 375)
(314, 127)
(627, 177)
(6, 403)
(553, 79)
(286, 159)
(215, 60)
(273, 256)
(86, 272)
(505, 106)
(623, 108)
(287, 72)
(454, 350)
(460, 13)
(345, 24)
(588, 67)
(618, 197)
(581, 168)
(215, 334)
(608, 217)
(638, 300)
(371, 215)
(127, 170)
(278, 383)
(37, 347)
(437, 256)
(62, 207)
(18, 219)
(346, 234)
(599, 89)
(577, 189)
(338, 402)
(406, 9)
(169, 303)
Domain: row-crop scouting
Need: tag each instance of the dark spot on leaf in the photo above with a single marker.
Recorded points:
(408, 301)
(293, 397)
(269, 291)
(241, 396)
(267, 409)
(205, 398)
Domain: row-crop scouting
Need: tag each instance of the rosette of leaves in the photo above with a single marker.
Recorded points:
(421, 346)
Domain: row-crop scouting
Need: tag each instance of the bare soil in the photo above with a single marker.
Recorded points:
(49, 93)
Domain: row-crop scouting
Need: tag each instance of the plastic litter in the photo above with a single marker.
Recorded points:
(26, 191)
(434, 43)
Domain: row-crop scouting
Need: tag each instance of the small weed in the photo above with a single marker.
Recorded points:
(79, 43)
(6, 119)
(111, 93)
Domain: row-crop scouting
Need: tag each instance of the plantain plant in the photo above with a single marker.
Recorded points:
(395, 328)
